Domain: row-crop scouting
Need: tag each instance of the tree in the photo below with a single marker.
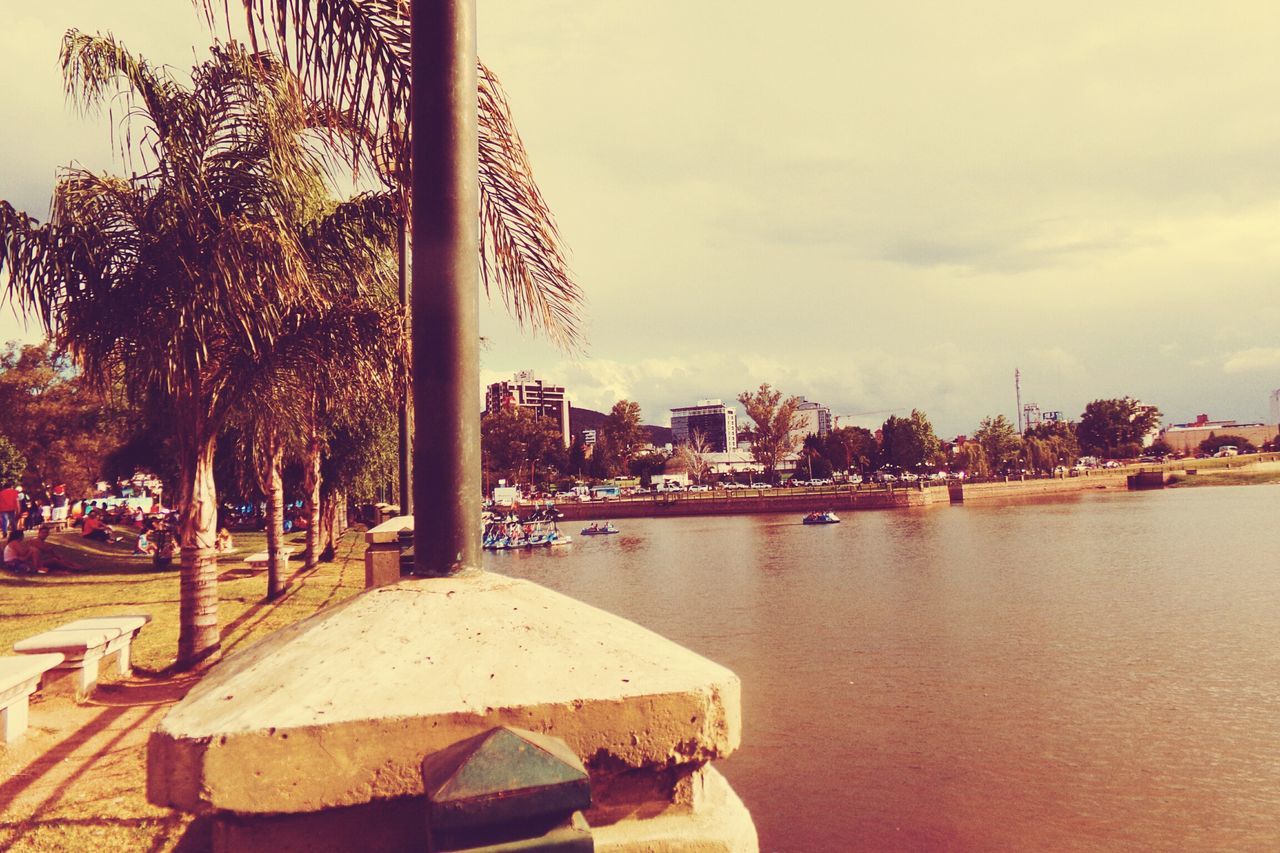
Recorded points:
(971, 458)
(179, 279)
(1214, 443)
(693, 455)
(909, 442)
(999, 440)
(1117, 427)
(513, 441)
(648, 466)
(622, 432)
(774, 420)
(63, 427)
(12, 463)
(850, 448)
(354, 56)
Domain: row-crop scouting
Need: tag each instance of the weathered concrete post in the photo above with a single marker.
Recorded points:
(446, 289)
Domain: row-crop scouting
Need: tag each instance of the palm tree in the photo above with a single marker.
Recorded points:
(355, 56)
(180, 278)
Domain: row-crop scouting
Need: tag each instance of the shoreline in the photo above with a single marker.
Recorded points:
(753, 502)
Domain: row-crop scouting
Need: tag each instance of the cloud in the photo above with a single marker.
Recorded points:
(1252, 360)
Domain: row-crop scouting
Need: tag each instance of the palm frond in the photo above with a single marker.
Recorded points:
(355, 55)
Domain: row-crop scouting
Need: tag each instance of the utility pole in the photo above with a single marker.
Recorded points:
(446, 289)
(1017, 391)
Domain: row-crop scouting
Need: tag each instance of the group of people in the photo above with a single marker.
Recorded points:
(20, 510)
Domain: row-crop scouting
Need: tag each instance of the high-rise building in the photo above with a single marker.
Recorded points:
(813, 419)
(1275, 407)
(717, 423)
(527, 391)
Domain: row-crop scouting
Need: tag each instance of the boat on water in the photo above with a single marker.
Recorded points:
(600, 530)
(510, 532)
(827, 517)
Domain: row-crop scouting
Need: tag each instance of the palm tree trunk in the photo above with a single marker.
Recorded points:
(275, 524)
(332, 523)
(198, 637)
(311, 482)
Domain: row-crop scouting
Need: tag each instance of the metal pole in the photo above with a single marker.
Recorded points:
(446, 286)
(406, 451)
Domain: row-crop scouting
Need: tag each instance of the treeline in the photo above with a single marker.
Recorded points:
(523, 449)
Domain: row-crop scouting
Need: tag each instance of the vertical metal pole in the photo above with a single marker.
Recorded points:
(406, 451)
(446, 287)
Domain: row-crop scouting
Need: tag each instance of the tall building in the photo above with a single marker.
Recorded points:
(1275, 406)
(527, 391)
(813, 419)
(717, 422)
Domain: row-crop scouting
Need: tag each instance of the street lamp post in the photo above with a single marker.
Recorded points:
(445, 289)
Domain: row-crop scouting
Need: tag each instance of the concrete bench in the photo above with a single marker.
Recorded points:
(85, 642)
(19, 678)
(260, 559)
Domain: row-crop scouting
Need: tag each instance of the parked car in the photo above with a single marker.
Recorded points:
(759, 485)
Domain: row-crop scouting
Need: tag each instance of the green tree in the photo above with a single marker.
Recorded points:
(514, 444)
(648, 465)
(1116, 427)
(179, 279)
(1214, 443)
(971, 458)
(63, 426)
(851, 449)
(13, 465)
(622, 432)
(774, 419)
(909, 442)
(354, 57)
(999, 441)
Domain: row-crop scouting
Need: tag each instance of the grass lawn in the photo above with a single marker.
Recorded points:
(77, 779)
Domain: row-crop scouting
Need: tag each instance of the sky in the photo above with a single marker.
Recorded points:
(877, 208)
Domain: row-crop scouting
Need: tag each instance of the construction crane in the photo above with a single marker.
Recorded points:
(835, 421)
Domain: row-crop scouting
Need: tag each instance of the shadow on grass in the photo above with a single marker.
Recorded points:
(61, 756)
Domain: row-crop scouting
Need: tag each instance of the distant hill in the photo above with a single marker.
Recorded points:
(580, 419)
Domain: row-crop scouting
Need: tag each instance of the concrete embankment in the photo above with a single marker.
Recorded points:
(719, 503)
(1115, 479)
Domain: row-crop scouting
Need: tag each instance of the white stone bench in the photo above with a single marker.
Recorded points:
(260, 559)
(83, 643)
(19, 678)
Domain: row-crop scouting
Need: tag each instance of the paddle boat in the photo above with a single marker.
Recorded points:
(827, 517)
(599, 530)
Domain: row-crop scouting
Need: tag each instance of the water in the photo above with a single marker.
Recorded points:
(1098, 672)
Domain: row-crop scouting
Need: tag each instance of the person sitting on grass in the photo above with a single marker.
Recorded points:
(96, 529)
(224, 545)
(18, 556)
(144, 546)
(42, 554)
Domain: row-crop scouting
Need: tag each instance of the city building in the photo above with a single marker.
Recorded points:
(527, 391)
(717, 423)
(1186, 438)
(812, 419)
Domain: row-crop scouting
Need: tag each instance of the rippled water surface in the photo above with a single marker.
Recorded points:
(1098, 672)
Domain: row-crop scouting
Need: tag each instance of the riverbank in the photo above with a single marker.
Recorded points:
(1262, 468)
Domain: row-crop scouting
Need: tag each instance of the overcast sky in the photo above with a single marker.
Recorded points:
(873, 207)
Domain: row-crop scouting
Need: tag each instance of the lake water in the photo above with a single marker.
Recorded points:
(1097, 672)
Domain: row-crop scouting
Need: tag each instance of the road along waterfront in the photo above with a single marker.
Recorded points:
(1094, 671)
